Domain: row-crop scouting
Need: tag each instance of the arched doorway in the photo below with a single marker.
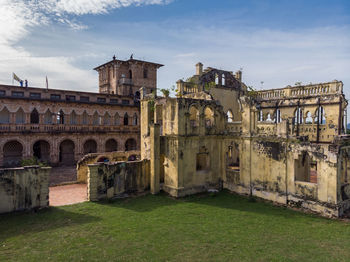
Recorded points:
(130, 144)
(111, 145)
(41, 150)
(66, 156)
(12, 152)
(90, 146)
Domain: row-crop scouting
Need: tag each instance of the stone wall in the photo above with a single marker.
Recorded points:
(24, 188)
(110, 180)
(82, 165)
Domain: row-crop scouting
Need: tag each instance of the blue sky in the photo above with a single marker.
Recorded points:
(277, 42)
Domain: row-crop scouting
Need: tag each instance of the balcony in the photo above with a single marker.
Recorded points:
(66, 128)
(125, 81)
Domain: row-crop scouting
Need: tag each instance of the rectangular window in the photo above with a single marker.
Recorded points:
(101, 100)
(55, 97)
(35, 95)
(17, 94)
(84, 99)
(113, 101)
(125, 102)
(70, 98)
(2, 93)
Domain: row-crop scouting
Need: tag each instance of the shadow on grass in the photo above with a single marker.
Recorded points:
(20, 223)
(223, 199)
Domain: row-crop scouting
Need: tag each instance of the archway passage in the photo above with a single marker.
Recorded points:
(111, 145)
(41, 150)
(90, 146)
(130, 144)
(12, 152)
(66, 155)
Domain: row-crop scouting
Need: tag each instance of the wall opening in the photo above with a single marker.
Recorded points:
(41, 150)
(202, 160)
(12, 152)
(130, 144)
(111, 145)
(305, 169)
(90, 146)
(208, 117)
(66, 155)
(232, 156)
(194, 116)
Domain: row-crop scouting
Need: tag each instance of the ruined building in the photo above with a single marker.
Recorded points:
(286, 145)
(61, 126)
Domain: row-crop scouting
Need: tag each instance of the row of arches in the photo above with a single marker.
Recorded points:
(299, 116)
(13, 150)
(73, 118)
(208, 116)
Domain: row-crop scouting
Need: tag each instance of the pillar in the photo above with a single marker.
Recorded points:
(155, 157)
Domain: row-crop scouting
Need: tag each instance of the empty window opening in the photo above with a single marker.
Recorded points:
(60, 117)
(90, 146)
(126, 119)
(305, 169)
(41, 150)
(308, 119)
(34, 117)
(223, 81)
(194, 116)
(216, 79)
(229, 116)
(208, 117)
(233, 156)
(20, 116)
(48, 117)
(202, 160)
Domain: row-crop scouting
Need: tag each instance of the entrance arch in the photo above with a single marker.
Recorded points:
(66, 156)
(41, 150)
(130, 144)
(90, 146)
(12, 152)
(111, 145)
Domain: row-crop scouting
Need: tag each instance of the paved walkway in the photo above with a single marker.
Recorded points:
(68, 194)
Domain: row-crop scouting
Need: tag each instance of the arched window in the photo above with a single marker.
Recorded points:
(90, 146)
(4, 116)
(126, 119)
(229, 116)
(268, 119)
(95, 119)
(308, 119)
(20, 116)
(34, 117)
(73, 118)
(194, 116)
(106, 119)
(48, 117)
(116, 119)
(130, 144)
(223, 81)
(216, 79)
(130, 74)
(60, 117)
(135, 120)
(12, 153)
(85, 118)
(208, 117)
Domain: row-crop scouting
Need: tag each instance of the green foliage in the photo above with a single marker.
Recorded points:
(165, 92)
(226, 227)
(151, 104)
(33, 162)
(251, 92)
(209, 85)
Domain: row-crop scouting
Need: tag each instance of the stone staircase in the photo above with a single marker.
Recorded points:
(63, 174)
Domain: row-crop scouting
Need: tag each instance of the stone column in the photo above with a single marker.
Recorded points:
(155, 157)
(92, 183)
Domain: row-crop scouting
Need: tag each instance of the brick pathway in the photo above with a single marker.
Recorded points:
(68, 194)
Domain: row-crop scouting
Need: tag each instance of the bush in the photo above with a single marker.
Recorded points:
(33, 162)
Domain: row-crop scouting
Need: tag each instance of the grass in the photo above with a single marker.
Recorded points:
(224, 227)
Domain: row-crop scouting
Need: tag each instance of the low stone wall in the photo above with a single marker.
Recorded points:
(82, 165)
(107, 180)
(24, 188)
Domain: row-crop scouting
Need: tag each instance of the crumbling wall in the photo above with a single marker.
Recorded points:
(110, 180)
(82, 165)
(268, 170)
(24, 188)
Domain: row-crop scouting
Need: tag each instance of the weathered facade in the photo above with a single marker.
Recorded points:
(61, 126)
(286, 145)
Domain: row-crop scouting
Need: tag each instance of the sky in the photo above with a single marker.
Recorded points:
(275, 42)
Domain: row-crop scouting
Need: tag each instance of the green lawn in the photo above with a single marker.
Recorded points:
(224, 227)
